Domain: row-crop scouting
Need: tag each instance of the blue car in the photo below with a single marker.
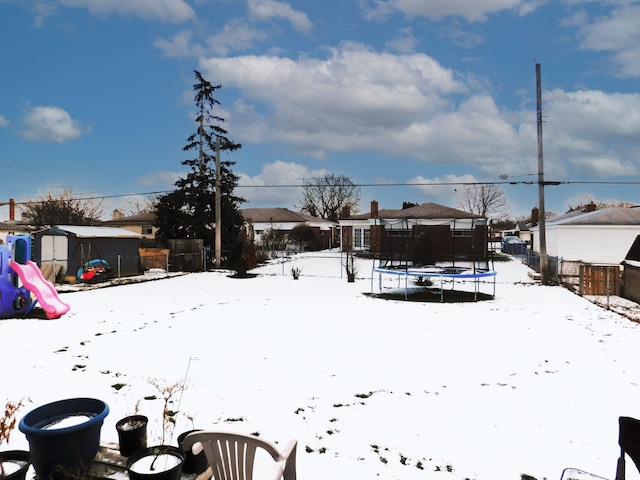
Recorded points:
(513, 245)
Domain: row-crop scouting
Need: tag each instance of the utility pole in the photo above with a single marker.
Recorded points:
(544, 261)
(218, 209)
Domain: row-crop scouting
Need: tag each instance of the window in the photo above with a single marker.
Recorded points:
(462, 233)
(147, 230)
(399, 233)
(361, 237)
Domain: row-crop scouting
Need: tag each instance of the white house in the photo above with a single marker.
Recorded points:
(282, 219)
(599, 237)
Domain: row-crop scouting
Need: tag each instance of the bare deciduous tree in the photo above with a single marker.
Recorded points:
(597, 204)
(138, 205)
(65, 208)
(325, 196)
(488, 201)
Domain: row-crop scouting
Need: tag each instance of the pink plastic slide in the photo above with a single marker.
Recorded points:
(44, 290)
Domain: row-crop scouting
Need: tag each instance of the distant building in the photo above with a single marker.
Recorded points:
(65, 249)
(596, 236)
(420, 234)
(284, 220)
(141, 223)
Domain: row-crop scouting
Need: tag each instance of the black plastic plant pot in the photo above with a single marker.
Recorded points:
(14, 464)
(192, 463)
(161, 462)
(132, 434)
(64, 436)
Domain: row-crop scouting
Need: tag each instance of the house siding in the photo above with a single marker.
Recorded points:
(599, 244)
(631, 282)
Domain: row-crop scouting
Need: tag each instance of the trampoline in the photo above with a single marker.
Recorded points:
(438, 274)
(442, 250)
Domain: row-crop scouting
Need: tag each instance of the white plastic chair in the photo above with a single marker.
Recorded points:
(629, 442)
(231, 456)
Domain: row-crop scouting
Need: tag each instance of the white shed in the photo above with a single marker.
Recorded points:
(599, 237)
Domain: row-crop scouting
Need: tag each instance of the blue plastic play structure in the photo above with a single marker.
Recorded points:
(21, 279)
(15, 299)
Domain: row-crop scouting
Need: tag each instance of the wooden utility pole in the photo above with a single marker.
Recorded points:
(544, 261)
(218, 209)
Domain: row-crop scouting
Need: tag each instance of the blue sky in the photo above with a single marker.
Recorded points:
(409, 98)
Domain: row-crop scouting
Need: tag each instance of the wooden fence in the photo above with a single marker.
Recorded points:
(600, 279)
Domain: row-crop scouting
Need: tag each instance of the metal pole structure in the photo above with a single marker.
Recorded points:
(218, 209)
(544, 263)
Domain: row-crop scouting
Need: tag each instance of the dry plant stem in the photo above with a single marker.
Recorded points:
(8, 423)
(168, 391)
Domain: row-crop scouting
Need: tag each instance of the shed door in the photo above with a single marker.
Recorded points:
(54, 249)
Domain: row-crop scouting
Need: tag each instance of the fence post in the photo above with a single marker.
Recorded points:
(608, 286)
(580, 278)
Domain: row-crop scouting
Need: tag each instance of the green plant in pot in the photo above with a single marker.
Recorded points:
(159, 462)
(13, 463)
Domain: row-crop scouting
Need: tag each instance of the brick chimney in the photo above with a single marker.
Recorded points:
(346, 212)
(374, 208)
(590, 207)
(12, 209)
(534, 216)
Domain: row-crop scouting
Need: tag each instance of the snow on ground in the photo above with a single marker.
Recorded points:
(530, 382)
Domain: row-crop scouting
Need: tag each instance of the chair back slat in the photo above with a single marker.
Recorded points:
(231, 456)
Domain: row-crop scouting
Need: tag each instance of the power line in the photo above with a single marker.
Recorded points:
(413, 184)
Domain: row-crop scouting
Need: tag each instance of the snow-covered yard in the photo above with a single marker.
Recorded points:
(530, 382)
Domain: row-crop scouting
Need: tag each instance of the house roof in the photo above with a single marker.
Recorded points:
(278, 215)
(426, 210)
(83, 231)
(140, 218)
(15, 226)
(633, 255)
(604, 216)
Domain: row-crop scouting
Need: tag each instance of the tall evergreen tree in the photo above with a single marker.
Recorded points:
(189, 210)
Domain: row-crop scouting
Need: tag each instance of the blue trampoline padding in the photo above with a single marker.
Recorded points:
(416, 272)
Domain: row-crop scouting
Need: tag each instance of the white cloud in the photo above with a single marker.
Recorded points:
(287, 174)
(471, 10)
(4, 122)
(161, 179)
(594, 115)
(445, 188)
(348, 97)
(50, 124)
(270, 9)
(461, 35)
(404, 42)
(617, 33)
(409, 106)
(179, 45)
(42, 11)
(236, 35)
(354, 99)
(604, 166)
(173, 11)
